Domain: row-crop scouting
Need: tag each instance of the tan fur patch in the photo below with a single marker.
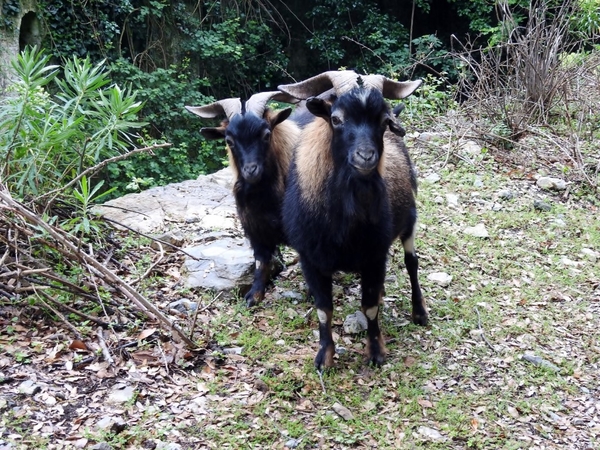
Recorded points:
(314, 160)
(232, 165)
(283, 140)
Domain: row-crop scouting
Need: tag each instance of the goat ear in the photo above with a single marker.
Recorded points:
(213, 132)
(275, 118)
(319, 107)
(396, 128)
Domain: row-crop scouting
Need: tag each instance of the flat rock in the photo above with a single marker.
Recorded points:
(556, 184)
(221, 265)
(441, 278)
(478, 230)
(191, 201)
(222, 258)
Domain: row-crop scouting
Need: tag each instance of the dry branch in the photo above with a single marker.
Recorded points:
(71, 248)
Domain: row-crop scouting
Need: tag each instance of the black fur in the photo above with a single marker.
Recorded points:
(258, 189)
(350, 221)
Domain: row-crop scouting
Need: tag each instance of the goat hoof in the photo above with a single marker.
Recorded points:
(253, 298)
(377, 360)
(324, 358)
(420, 319)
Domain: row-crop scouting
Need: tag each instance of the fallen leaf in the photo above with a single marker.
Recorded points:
(409, 361)
(425, 403)
(78, 345)
(146, 333)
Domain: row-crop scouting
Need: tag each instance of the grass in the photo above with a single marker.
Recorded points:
(506, 288)
(459, 383)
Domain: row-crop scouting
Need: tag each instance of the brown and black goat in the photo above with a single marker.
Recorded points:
(351, 192)
(260, 144)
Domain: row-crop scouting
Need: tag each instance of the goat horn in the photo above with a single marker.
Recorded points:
(341, 81)
(229, 106)
(395, 90)
(258, 102)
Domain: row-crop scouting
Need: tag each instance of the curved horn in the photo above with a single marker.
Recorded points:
(390, 89)
(258, 102)
(341, 81)
(229, 106)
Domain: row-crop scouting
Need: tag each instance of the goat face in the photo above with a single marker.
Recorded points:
(248, 139)
(358, 119)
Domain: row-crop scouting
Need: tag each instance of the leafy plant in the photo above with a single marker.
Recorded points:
(47, 140)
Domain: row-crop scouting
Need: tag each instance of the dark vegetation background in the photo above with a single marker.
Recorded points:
(175, 53)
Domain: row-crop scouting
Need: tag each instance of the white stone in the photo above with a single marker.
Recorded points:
(452, 199)
(478, 230)
(471, 147)
(590, 254)
(556, 184)
(431, 434)
(441, 278)
(432, 178)
(355, 323)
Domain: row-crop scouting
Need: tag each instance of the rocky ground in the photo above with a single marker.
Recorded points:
(509, 257)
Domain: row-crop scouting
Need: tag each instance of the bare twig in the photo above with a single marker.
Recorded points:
(151, 268)
(320, 373)
(100, 166)
(198, 310)
(105, 352)
(482, 333)
(67, 247)
(152, 238)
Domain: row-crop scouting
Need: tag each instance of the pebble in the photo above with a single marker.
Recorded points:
(184, 306)
(452, 199)
(541, 205)
(28, 387)
(292, 443)
(506, 194)
(121, 394)
(430, 434)
(432, 178)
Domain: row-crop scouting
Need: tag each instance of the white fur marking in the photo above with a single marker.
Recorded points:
(322, 316)
(257, 262)
(409, 244)
(371, 313)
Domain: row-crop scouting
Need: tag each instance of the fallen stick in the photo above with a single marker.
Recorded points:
(107, 356)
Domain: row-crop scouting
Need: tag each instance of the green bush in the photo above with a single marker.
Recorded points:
(165, 92)
(47, 140)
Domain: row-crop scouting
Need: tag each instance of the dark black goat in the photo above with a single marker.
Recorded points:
(260, 144)
(351, 192)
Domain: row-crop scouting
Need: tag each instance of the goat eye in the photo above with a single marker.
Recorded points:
(336, 121)
(230, 142)
(266, 135)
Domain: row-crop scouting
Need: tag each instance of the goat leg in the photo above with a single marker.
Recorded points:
(419, 309)
(372, 288)
(262, 275)
(319, 286)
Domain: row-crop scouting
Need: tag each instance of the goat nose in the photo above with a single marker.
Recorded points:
(251, 169)
(366, 154)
